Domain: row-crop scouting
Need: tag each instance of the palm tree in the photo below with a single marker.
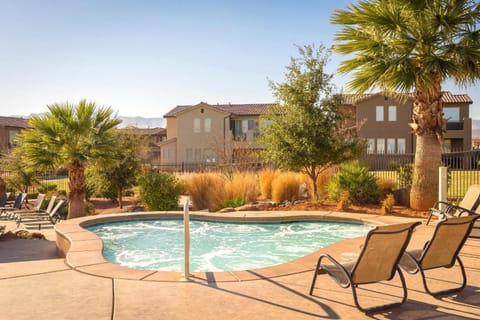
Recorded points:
(72, 136)
(409, 46)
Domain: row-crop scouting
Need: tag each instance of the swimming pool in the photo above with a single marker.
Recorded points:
(216, 246)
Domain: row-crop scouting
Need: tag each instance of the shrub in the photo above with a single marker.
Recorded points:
(47, 187)
(266, 178)
(358, 181)
(344, 201)
(232, 203)
(405, 175)
(286, 186)
(207, 190)
(159, 191)
(385, 186)
(388, 203)
(89, 208)
(243, 184)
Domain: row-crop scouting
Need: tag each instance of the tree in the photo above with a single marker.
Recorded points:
(21, 177)
(73, 136)
(306, 131)
(407, 46)
(112, 179)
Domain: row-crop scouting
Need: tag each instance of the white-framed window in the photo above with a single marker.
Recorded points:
(380, 145)
(196, 125)
(207, 124)
(379, 113)
(370, 146)
(452, 113)
(392, 113)
(390, 145)
(401, 145)
(189, 155)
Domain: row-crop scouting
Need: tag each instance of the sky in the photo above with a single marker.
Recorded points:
(142, 58)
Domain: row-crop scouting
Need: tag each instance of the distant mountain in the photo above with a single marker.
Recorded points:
(138, 122)
(141, 122)
(475, 128)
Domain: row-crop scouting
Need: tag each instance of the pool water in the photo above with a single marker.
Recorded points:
(216, 246)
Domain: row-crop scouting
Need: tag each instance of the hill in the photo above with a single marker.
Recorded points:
(141, 122)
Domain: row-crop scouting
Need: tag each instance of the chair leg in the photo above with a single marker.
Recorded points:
(442, 292)
(315, 274)
(429, 218)
(384, 306)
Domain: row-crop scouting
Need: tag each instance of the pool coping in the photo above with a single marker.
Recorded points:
(82, 249)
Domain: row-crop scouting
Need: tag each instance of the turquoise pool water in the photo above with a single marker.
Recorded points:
(216, 246)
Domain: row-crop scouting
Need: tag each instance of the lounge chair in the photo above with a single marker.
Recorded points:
(3, 201)
(17, 205)
(441, 251)
(470, 202)
(36, 207)
(36, 210)
(377, 261)
(52, 217)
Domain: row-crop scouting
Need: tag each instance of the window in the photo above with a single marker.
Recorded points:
(401, 145)
(392, 113)
(189, 155)
(379, 113)
(198, 154)
(371, 146)
(452, 113)
(12, 135)
(207, 124)
(380, 145)
(244, 126)
(390, 145)
(196, 125)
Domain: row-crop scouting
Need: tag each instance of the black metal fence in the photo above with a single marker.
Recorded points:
(45, 182)
(463, 168)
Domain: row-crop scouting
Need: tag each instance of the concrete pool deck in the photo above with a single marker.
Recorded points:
(37, 283)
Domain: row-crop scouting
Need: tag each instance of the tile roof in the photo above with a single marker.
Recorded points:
(13, 122)
(447, 97)
(234, 109)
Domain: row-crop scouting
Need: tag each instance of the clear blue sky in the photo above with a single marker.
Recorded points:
(142, 57)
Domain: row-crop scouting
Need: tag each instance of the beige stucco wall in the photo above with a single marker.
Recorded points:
(203, 141)
(171, 128)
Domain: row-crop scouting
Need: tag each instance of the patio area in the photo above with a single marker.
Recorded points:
(38, 284)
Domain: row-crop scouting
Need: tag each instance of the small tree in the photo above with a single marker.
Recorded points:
(21, 177)
(307, 130)
(119, 174)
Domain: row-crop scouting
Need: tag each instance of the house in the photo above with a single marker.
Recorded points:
(210, 134)
(153, 136)
(9, 128)
(383, 122)
(223, 133)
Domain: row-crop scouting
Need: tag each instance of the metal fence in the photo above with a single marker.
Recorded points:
(463, 168)
(45, 182)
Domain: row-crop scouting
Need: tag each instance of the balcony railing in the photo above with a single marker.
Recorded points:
(455, 125)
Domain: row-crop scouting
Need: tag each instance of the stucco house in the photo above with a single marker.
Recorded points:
(383, 122)
(215, 133)
(210, 133)
(153, 136)
(9, 128)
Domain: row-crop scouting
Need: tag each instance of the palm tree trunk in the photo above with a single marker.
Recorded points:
(76, 197)
(428, 155)
(429, 128)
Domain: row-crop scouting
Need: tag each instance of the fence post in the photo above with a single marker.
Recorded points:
(442, 186)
